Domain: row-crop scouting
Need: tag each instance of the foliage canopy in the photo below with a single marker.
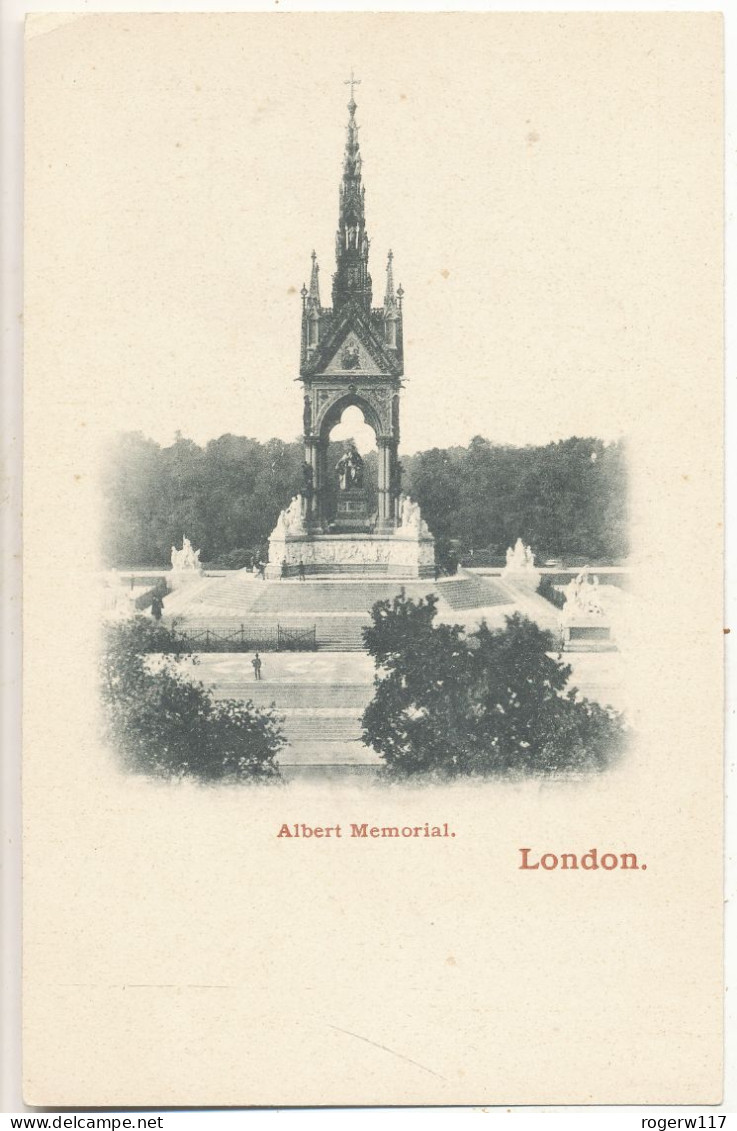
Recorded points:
(162, 724)
(487, 703)
(565, 499)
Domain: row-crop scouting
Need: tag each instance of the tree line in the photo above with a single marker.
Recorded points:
(567, 499)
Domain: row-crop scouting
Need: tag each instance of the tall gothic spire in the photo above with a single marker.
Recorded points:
(351, 279)
(314, 293)
(389, 298)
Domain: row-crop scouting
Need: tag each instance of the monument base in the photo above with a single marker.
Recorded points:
(351, 514)
(520, 568)
(527, 578)
(371, 555)
(582, 633)
(178, 578)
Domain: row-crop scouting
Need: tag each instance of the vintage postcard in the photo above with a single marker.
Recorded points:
(373, 544)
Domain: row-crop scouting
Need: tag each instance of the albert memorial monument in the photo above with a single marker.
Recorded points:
(351, 355)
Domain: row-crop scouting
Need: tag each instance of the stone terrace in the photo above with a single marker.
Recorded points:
(322, 695)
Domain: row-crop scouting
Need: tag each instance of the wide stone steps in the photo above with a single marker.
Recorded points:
(296, 696)
(309, 728)
(303, 599)
(468, 592)
(240, 596)
(340, 635)
(346, 569)
(320, 720)
(297, 759)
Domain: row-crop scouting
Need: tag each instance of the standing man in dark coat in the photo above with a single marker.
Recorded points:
(157, 606)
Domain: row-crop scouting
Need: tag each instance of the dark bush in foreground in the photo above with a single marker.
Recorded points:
(162, 724)
(451, 703)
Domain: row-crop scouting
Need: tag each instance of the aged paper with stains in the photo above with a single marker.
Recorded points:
(551, 188)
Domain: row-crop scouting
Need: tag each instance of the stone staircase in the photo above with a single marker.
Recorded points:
(469, 592)
(336, 729)
(349, 569)
(325, 697)
(232, 594)
(322, 598)
(241, 606)
(321, 721)
(239, 595)
(321, 695)
(340, 634)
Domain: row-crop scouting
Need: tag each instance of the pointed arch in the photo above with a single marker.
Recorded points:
(334, 412)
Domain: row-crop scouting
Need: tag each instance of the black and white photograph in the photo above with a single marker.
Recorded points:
(373, 551)
(457, 610)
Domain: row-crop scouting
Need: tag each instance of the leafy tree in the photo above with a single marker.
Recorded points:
(486, 703)
(436, 482)
(131, 516)
(224, 497)
(162, 724)
(566, 499)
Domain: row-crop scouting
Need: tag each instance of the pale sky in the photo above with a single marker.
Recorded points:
(526, 170)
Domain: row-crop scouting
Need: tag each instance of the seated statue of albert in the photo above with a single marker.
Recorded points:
(350, 468)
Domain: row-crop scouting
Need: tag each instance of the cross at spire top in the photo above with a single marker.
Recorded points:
(352, 82)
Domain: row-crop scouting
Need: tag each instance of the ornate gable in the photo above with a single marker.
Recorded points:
(352, 348)
(353, 357)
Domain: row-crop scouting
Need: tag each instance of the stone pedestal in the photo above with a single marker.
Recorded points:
(372, 555)
(584, 623)
(185, 565)
(580, 633)
(520, 568)
(352, 512)
(179, 578)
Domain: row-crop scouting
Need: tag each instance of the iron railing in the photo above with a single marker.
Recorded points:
(242, 637)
